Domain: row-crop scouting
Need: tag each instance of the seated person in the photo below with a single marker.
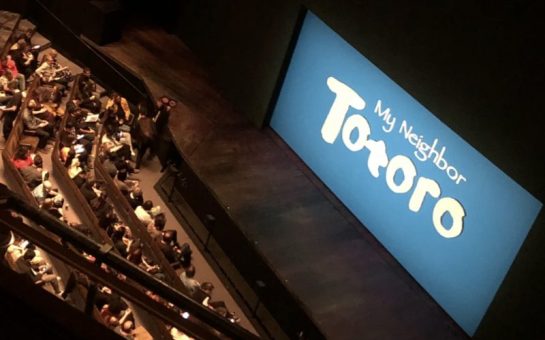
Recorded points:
(46, 190)
(88, 192)
(52, 73)
(155, 229)
(123, 184)
(204, 293)
(118, 107)
(8, 113)
(26, 63)
(167, 249)
(135, 256)
(117, 239)
(48, 94)
(8, 83)
(100, 205)
(53, 208)
(87, 92)
(74, 169)
(34, 174)
(6, 86)
(22, 157)
(143, 212)
(109, 164)
(40, 127)
(136, 198)
(118, 142)
(188, 280)
(44, 112)
(113, 311)
(19, 78)
(28, 263)
(108, 219)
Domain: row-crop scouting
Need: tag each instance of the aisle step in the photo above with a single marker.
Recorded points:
(38, 39)
(25, 25)
(8, 24)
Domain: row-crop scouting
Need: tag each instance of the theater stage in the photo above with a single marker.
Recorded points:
(349, 284)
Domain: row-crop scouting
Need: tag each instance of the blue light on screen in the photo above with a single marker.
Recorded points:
(446, 213)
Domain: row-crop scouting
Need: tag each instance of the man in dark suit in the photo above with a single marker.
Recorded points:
(162, 143)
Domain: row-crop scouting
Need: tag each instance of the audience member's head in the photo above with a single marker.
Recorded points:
(135, 256)
(147, 205)
(137, 192)
(169, 236)
(190, 271)
(160, 221)
(86, 72)
(127, 326)
(29, 255)
(47, 204)
(118, 234)
(122, 175)
(115, 305)
(38, 161)
(207, 287)
(21, 153)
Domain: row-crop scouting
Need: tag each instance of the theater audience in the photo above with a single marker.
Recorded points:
(76, 144)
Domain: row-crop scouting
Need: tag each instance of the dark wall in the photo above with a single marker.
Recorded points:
(242, 43)
(479, 69)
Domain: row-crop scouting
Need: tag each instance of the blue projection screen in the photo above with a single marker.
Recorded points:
(447, 214)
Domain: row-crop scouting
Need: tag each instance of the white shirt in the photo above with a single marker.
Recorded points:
(143, 215)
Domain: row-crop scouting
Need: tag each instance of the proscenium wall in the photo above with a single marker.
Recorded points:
(480, 69)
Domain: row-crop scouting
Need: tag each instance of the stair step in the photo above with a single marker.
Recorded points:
(38, 39)
(25, 25)
(8, 24)
(9, 20)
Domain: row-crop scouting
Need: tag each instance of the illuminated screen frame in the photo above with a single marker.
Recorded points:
(445, 212)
